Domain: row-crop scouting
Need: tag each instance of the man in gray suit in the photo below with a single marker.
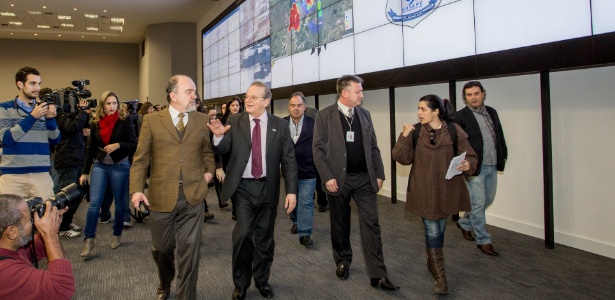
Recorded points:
(259, 143)
(348, 160)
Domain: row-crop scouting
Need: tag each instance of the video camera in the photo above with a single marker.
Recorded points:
(51, 98)
(59, 200)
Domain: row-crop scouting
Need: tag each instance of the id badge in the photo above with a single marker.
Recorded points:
(349, 136)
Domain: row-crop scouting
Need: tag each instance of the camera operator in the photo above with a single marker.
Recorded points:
(68, 158)
(20, 279)
(27, 129)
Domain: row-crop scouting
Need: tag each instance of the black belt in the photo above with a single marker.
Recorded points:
(255, 179)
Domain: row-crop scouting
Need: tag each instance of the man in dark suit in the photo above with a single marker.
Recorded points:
(302, 131)
(259, 143)
(176, 142)
(348, 160)
(486, 136)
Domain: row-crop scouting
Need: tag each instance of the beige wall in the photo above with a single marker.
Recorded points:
(170, 48)
(108, 66)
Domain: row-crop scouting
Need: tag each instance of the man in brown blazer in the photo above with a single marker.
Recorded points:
(347, 157)
(177, 142)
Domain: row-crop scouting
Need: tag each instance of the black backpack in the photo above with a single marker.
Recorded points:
(452, 131)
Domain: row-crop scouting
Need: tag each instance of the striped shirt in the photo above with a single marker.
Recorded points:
(25, 140)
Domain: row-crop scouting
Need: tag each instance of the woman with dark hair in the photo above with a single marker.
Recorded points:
(429, 195)
(233, 107)
(146, 108)
(111, 142)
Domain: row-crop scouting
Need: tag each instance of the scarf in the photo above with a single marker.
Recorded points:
(106, 125)
(483, 112)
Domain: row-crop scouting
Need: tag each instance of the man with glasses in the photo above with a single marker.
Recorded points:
(348, 160)
(259, 143)
(27, 128)
(486, 136)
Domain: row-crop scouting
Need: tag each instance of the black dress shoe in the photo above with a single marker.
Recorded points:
(488, 249)
(293, 229)
(322, 208)
(265, 289)
(466, 234)
(222, 204)
(384, 284)
(306, 240)
(239, 294)
(163, 294)
(208, 216)
(342, 271)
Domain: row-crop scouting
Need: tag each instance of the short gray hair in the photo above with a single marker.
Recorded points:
(9, 211)
(300, 95)
(265, 86)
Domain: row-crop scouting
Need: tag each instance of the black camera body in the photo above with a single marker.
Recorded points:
(59, 200)
(80, 91)
(51, 98)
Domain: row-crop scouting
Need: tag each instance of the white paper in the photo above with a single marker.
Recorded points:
(452, 168)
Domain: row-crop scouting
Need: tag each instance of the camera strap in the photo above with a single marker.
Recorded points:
(5, 257)
(32, 249)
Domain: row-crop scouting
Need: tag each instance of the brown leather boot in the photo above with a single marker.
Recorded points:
(88, 246)
(435, 265)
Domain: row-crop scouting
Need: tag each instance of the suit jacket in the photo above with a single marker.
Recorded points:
(160, 144)
(238, 142)
(123, 133)
(329, 147)
(466, 119)
(303, 149)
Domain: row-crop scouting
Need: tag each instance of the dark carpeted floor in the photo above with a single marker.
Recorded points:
(525, 269)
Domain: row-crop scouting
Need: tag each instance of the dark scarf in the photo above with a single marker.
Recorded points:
(483, 112)
(106, 125)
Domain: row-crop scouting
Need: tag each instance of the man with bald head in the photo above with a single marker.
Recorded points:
(177, 143)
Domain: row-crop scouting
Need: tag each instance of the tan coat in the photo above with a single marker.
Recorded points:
(160, 144)
(429, 194)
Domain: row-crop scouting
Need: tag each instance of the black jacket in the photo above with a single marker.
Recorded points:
(123, 133)
(303, 149)
(465, 118)
(70, 151)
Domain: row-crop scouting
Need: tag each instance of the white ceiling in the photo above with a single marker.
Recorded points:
(137, 15)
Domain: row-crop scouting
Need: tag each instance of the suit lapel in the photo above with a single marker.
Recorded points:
(336, 122)
(365, 129)
(272, 126)
(167, 123)
(244, 125)
(191, 124)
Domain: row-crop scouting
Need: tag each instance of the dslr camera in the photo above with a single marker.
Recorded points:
(51, 98)
(59, 200)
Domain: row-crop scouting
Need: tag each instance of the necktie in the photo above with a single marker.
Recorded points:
(180, 124)
(350, 113)
(257, 159)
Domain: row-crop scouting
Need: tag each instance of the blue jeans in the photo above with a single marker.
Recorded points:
(102, 176)
(303, 214)
(482, 192)
(105, 207)
(434, 233)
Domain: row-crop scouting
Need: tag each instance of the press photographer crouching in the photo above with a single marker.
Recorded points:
(20, 249)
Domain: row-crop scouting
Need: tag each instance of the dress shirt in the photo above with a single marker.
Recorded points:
(344, 109)
(295, 129)
(175, 116)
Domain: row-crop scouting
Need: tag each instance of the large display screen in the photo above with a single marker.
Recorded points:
(290, 42)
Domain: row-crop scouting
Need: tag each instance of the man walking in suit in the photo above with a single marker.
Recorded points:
(348, 160)
(177, 143)
(259, 143)
(486, 136)
(302, 131)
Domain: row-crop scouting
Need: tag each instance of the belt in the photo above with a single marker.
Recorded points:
(255, 179)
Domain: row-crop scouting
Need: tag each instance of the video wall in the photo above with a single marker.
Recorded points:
(290, 42)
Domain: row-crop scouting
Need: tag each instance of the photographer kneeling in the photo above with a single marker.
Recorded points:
(20, 279)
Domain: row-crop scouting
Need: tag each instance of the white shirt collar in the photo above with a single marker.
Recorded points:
(344, 108)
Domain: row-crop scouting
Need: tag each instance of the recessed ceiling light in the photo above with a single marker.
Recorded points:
(75, 8)
(43, 26)
(104, 37)
(7, 14)
(44, 7)
(12, 5)
(63, 17)
(59, 35)
(15, 23)
(11, 33)
(92, 28)
(91, 16)
(104, 10)
(82, 36)
(36, 34)
(67, 25)
(35, 12)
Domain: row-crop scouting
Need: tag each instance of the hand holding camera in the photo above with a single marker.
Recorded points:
(40, 109)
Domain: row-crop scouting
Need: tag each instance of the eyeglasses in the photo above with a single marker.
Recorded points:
(432, 137)
(246, 97)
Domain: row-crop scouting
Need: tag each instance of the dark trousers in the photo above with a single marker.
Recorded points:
(181, 229)
(67, 176)
(357, 186)
(253, 242)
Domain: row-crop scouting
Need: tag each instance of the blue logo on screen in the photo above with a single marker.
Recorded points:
(410, 12)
